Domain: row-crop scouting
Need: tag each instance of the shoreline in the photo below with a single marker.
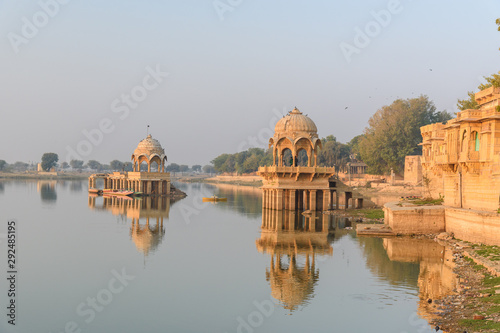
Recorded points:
(474, 304)
(62, 176)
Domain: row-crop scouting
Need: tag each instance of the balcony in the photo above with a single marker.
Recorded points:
(486, 95)
(473, 156)
(297, 169)
(469, 115)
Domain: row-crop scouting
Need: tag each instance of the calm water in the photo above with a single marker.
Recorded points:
(115, 265)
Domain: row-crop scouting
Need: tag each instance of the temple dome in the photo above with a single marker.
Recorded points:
(149, 146)
(149, 150)
(294, 122)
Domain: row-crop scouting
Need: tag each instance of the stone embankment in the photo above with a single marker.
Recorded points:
(473, 307)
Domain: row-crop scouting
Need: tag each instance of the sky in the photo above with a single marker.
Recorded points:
(84, 79)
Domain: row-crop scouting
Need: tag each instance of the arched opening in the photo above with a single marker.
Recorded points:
(475, 140)
(463, 141)
(286, 157)
(155, 163)
(143, 166)
(302, 158)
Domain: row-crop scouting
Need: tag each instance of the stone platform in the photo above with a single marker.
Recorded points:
(366, 229)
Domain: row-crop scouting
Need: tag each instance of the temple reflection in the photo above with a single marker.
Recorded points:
(147, 215)
(294, 242)
(436, 278)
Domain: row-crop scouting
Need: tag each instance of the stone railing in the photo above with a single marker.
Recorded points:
(149, 175)
(486, 93)
(441, 159)
(297, 169)
(473, 156)
(469, 114)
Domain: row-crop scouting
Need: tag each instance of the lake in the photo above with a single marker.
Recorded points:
(95, 264)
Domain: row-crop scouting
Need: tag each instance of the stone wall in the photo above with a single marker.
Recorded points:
(473, 226)
(413, 170)
(466, 224)
(414, 220)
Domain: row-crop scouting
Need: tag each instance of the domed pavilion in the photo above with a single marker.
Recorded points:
(154, 181)
(295, 181)
(150, 151)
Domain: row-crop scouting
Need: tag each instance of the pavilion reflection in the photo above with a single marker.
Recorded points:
(436, 278)
(147, 215)
(294, 242)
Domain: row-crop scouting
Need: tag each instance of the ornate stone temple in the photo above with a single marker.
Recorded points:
(154, 181)
(295, 181)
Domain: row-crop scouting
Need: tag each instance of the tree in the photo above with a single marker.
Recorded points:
(2, 164)
(219, 161)
(173, 167)
(251, 164)
(116, 165)
(94, 165)
(464, 104)
(128, 166)
(208, 169)
(470, 103)
(354, 145)
(21, 166)
(334, 153)
(498, 23)
(196, 168)
(49, 160)
(183, 168)
(394, 132)
(64, 165)
(76, 164)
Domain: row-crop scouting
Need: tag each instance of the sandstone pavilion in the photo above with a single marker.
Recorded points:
(295, 181)
(154, 181)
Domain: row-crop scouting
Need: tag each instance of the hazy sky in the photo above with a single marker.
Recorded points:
(233, 66)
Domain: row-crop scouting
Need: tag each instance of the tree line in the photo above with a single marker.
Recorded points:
(333, 153)
(49, 162)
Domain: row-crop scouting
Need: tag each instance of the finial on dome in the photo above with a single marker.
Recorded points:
(296, 111)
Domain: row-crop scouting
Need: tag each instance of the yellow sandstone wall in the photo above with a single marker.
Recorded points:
(414, 220)
(466, 224)
(473, 226)
(413, 170)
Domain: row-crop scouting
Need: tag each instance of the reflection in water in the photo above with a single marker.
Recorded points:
(293, 241)
(2, 188)
(151, 211)
(398, 273)
(436, 278)
(245, 200)
(47, 189)
(76, 186)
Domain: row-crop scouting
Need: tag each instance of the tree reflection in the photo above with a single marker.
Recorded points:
(48, 191)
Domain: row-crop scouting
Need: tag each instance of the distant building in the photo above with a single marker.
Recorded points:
(461, 159)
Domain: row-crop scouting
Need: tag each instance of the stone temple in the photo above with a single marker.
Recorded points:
(295, 181)
(154, 181)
